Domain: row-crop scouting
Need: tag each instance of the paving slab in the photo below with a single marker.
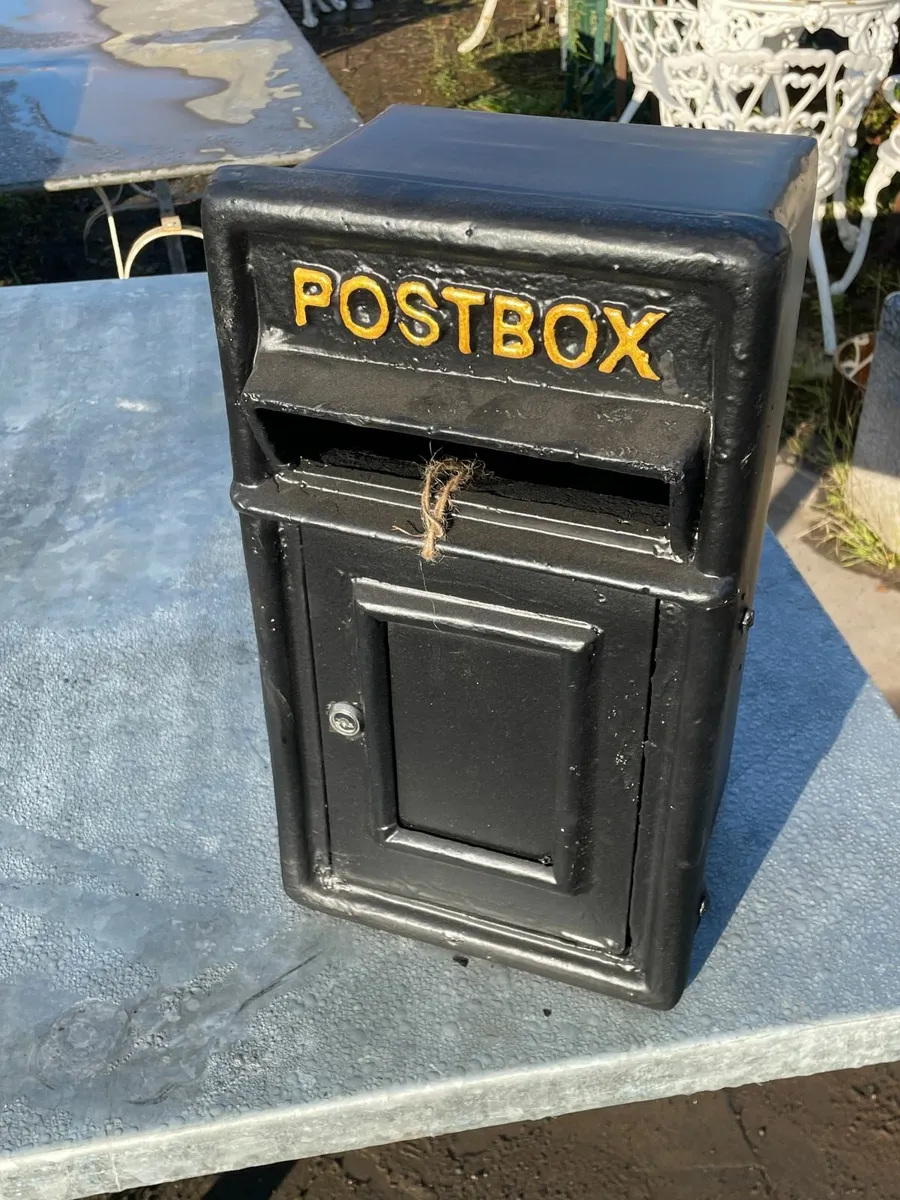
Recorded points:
(864, 608)
(873, 486)
(165, 1011)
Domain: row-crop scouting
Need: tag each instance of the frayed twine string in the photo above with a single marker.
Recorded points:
(443, 478)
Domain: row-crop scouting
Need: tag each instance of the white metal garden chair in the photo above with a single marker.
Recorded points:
(887, 165)
(649, 33)
(868, 26)
(816, 92)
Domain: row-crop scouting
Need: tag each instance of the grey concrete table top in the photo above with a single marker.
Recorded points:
(118, 91)
(164, 1010)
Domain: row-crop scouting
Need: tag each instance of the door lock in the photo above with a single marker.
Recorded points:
(345, 719)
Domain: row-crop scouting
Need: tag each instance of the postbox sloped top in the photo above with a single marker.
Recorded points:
(679, 170)
(641, 263)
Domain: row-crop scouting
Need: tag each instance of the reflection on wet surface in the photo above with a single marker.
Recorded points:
(246, 65)
(113, 90)
(140, 18)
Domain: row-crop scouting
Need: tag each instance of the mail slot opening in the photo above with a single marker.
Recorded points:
(642, 502)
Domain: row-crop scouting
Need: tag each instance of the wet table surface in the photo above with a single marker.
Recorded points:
(101, 92)
(165, 1011)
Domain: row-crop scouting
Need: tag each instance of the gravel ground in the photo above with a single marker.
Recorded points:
(821, 1138)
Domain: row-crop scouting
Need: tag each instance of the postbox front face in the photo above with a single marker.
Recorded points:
(522, 323)
(501, 433)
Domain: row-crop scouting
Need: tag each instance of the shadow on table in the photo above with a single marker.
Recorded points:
(255, 1183)
(801, 682)
(42, 95)
(526, 81)
(338, 31)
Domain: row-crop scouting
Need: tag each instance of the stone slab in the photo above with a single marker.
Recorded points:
(865, 611)
(874, 483)
(165, 1011)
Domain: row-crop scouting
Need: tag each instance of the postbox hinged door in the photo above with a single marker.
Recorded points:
(499, 767)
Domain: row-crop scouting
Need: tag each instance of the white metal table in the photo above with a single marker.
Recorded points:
(165, 1011)
(102, 93)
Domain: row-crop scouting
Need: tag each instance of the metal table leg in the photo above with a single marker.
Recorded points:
(174, 245)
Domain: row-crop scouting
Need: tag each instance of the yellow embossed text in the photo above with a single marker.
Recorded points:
(452, 319)
(364, 283)
(406, 290)
(312, 289)
(627, 346)
(576, 312)
(464, 299)
(513, 317)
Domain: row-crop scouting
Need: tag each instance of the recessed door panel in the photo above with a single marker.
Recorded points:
(473, 763)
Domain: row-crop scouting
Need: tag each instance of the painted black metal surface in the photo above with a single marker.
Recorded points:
(516, 749)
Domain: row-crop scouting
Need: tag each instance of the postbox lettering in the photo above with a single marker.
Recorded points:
(575, 312)
(415, 287)
(464, 299)
(513, 317)
(629, 336)
(312, 289)
(364, 283)
(568, 331)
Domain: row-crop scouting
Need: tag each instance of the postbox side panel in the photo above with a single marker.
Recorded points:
(498, 772)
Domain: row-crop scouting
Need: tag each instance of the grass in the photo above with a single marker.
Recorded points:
(518, 74)
(812, 435)
(841, 531)
(518, 100)
(820, 434)
(806, 416)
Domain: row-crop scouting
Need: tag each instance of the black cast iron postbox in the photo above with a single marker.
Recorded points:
(501, 698)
